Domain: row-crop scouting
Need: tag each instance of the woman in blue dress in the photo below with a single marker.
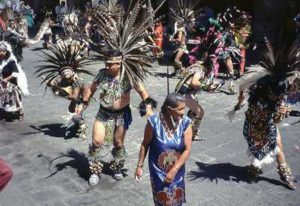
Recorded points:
(168, 136)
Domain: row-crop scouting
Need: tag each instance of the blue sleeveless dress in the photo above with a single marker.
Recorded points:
(164, 151)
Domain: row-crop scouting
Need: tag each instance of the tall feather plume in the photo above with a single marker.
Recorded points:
(59, 57)
(235, 19)
(185, 10)
(126, 35)
(7, 14)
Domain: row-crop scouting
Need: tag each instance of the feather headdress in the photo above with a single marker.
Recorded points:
(8, 14)
(278, 70)
(111, 7)
(234, 19)
(275, 74)
(60, 57)
(126, 34)
(185, 11)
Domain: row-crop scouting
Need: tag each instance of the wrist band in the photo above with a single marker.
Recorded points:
(141, 166)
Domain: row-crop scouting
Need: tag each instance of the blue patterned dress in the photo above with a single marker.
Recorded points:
(165, 150)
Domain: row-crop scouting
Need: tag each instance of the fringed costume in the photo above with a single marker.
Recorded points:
(62, 69)
(188, 88)
(13, 81)
(123, 32)
(184, 14)
(235, 24)
(267, 107)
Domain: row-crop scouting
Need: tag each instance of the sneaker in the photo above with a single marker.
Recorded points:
(93, 180)
(118, 175)
(198, 138)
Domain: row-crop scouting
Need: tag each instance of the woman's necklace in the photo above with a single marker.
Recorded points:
(169, 131)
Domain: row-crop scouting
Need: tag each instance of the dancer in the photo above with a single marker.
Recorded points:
(13, 82)
(126, 67)
(184, 14)
(267, 107)
(62, 69)
(189, 86)
(5, 174)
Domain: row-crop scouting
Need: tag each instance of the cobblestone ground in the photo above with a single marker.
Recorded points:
(50, 167)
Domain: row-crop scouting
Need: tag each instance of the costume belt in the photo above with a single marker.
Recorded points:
(112, 111)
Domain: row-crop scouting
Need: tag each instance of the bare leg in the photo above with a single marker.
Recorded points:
(196, 113)
(178, 63)
(280, 156)
(98, 133)
(283, 170)
(243, 61)
(241, 100)
(119, 136)
(229, 66)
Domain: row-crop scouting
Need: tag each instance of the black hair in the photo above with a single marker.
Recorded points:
(268, 86)
(172, 100)
(114, 54)
(6, 56)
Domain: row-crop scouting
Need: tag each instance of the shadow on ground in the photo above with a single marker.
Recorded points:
(54, 130)
(226, 172)
(77, 161)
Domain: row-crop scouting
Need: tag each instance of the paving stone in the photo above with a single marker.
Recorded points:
(86, 199)
(46, 195)
(51, 169)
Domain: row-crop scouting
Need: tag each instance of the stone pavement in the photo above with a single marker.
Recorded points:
(50, 168)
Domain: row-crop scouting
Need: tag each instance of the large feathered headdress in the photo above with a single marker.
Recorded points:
(126, 34)
(234, 19)
(185, 11)
(8, 14)
(276, 74)
(278, 71)
(111, 7)
(61, 57)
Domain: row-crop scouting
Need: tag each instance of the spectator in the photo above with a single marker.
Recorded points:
(168, 134)
(5, 174)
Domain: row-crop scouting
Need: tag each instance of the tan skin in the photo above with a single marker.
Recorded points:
(195, 83)
(69, 76)
(176, 113)
(98, 127)
(180, 40)
(283, 110)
